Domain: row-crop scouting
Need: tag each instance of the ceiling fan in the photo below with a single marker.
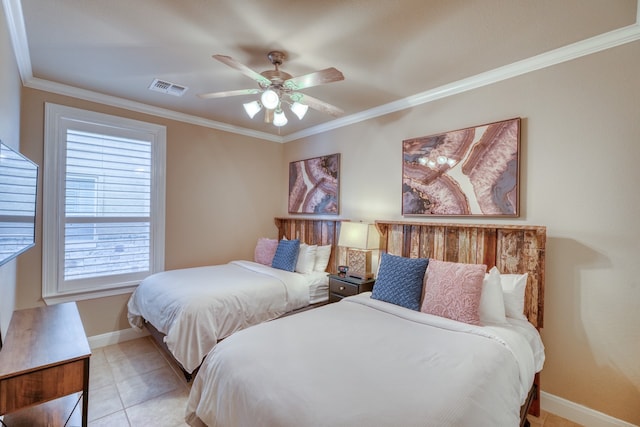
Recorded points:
(278, 87)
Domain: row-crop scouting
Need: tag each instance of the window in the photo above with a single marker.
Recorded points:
(103, 229)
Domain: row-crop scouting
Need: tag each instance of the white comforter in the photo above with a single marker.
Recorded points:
(195, 307)
(363, 362)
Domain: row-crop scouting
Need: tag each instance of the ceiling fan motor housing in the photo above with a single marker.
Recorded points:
(277, 77)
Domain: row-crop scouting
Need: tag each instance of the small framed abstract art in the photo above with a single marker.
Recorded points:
(314, 185)
(466, 172)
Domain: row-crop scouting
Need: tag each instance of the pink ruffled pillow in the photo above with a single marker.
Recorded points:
(453, 290)
(265, 250)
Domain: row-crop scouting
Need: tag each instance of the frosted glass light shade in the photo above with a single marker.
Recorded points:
(270, 99)
(279, 119)
(252, 108)
(299, 109)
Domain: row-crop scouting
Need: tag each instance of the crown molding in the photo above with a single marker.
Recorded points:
(18, 35)
(114, 101)
(585, 47)
(611, 39)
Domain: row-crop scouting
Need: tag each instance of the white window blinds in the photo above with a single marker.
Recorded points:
(107, 205)
(103, 225)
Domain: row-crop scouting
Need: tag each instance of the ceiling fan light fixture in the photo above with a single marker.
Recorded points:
(276, 86)
(279, 119)
(299, 109)
(252, 108)
(270, 99)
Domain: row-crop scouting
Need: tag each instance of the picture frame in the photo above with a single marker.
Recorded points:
(314, 185)
(467, 172)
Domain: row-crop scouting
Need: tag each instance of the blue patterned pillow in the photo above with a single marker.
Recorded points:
(400, 280)
(286, 255)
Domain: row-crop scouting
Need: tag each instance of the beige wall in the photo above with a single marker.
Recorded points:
(219, 200)
(579, 153)
(580, 149)
(9, 134)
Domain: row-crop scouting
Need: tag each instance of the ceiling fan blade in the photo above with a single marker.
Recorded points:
(228, 93)
(316, 104)
(262, 81)
(316, 78)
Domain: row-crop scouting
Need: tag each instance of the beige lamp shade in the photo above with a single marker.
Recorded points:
(359, 239)
(358, 235)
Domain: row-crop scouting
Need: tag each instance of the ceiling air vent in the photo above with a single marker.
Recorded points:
(167, 87)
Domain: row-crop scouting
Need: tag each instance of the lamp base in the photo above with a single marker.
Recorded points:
(359, 262)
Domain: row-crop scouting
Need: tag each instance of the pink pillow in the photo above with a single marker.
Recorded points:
(453, 290)
(265, 250)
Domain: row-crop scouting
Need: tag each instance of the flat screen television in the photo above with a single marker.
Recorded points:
(18, 190)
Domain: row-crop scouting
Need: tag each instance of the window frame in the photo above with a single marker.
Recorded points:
(58, 119)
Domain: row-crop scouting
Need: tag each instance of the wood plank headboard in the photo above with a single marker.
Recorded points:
(512, 248)
(313, 232)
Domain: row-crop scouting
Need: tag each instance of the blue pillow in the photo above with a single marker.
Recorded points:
(400, 280)
(286, 255)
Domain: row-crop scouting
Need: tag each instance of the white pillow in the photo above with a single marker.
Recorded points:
(491, 308)
(323, 253)
(306, 258)
(513, 289)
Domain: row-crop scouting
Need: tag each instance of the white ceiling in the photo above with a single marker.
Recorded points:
(393, 53)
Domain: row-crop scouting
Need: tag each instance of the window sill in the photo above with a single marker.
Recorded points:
(86, 295)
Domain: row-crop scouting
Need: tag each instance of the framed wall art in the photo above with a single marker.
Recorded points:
(466, 172)
(314, 185)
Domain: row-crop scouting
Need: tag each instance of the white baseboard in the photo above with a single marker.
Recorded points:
(578, 413)
(116, 337)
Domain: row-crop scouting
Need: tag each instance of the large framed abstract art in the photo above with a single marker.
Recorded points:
(466, 172)
(314, 185)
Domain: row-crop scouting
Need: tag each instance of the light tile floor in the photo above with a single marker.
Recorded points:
(133, 384)
(547, 419)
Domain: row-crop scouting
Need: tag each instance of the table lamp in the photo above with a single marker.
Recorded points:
(359, 239)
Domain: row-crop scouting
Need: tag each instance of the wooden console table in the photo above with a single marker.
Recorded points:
(44, 358)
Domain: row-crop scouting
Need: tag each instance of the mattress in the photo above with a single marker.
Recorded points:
(196, 307)
(366, 362)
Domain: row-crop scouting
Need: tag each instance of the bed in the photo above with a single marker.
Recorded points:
(367, 361)
(188, 311)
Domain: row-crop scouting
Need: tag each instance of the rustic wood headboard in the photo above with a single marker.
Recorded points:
(313, 232)
(512, 248)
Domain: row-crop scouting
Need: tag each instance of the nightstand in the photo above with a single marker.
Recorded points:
(340, 287)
